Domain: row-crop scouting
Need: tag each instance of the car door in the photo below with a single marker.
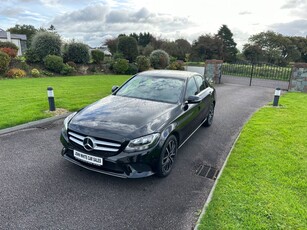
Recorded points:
(205, 93)
(188, 120)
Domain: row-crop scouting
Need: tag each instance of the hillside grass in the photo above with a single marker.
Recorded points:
(264, 184)
(24, 100)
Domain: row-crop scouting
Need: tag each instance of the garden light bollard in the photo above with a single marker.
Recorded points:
(51, 98)
(276, 96)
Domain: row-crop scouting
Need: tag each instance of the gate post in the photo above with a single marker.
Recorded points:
(213, 71)
(298, 81)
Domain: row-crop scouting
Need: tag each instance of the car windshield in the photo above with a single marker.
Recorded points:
(162, 89)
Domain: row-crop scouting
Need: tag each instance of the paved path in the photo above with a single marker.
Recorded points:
(40, 190)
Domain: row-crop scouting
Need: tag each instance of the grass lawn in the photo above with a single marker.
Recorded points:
(264, 184)
(24, 100)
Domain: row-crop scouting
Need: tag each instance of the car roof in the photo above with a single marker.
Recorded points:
(168, 73)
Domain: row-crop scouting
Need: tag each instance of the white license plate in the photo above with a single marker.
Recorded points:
(88, 158)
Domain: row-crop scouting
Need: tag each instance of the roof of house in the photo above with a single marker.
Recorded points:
(3, 34)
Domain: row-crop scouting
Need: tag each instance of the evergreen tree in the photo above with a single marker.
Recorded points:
(229, 50)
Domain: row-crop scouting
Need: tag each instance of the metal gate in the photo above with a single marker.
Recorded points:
(258, 74)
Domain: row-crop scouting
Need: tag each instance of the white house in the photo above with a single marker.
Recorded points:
(104, 49)
(20, 40)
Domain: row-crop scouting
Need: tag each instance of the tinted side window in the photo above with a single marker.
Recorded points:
(191, 88)
(200, 82)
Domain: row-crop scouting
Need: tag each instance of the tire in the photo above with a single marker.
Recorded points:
(209, 118)
(167, 157)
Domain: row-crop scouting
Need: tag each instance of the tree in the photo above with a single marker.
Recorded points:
(278, 49)
(45, 43)
(128, 47)
(170, 47)
(51, 28)
(301, 46)
(28, 30)
(206, 47)
(77, 52)
(112, 44)
(134, 35)
(253, 53)
(229, 50)
(183, 48)
(97, 56)
(144, 39)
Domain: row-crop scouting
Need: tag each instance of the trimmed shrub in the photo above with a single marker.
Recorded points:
(97, 56)
(31, 56)
(46, 43)
(47, 73)
(8, 45)
(54, 63)
(77, 52)
(132, 69)
(176, 65)
(67, 69)
(4, 61)
(120, 66)
(9, 51)
(159, 59)
(128, 47)
(16, 73)
(118, 55)
(143, 63)
(35, 73)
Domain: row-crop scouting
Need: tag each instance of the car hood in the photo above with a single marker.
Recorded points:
(122, 118)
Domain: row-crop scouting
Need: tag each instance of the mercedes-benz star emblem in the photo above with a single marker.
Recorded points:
(88, 144)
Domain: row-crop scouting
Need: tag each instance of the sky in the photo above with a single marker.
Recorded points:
(94, 21)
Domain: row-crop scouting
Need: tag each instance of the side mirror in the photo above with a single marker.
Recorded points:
(193, 99)
(114, 88)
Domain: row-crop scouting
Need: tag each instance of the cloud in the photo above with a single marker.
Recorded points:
(292, 4)
(245, 12)
(100, 21)
(49, 2)
(10, 12)
(293, 28)
(297, 8)
(88, 14)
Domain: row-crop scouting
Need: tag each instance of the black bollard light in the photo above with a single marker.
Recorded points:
(276, 96)
(51, 98)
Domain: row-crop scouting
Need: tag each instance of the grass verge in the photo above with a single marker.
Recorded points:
(24, 100)
(264, 184)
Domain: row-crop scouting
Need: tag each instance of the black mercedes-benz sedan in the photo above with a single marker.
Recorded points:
(137, 130)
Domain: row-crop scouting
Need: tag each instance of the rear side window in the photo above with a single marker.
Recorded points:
(200, 83)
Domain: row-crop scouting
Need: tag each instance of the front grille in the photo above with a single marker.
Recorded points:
(99, 145)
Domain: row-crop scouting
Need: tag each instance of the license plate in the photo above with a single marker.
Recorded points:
(88, 158)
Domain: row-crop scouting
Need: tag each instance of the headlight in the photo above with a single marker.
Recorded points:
(67, 119)
(142, 143)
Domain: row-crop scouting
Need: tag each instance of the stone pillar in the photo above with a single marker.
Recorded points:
(213, 70)
(298, 81)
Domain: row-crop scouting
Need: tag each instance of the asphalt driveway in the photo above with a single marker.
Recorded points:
(40, 190)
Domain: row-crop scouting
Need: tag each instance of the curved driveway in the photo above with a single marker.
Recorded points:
(40, 190)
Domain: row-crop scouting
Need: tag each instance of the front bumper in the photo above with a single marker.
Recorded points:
(124, 165)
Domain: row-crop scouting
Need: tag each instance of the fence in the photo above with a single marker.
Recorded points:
(257, 70)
